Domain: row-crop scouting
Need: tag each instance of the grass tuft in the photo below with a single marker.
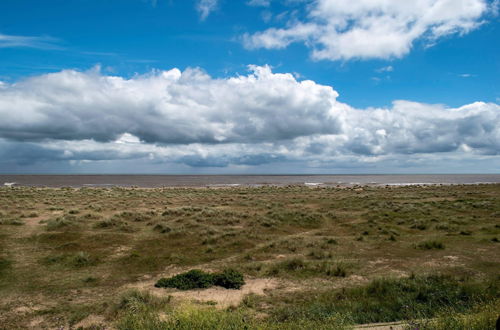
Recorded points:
(430, 245)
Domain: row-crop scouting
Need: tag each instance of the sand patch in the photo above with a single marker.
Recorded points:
(120, 251)
(227, 297)
(23, 310)
(222, 298)
(36, 323)
(26, 309)
(91, 322)
(381, 326)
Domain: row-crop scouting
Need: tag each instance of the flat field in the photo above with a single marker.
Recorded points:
(324, 258)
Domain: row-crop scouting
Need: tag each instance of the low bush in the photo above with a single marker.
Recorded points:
(198, 279)
(229, 279)
(194, 279)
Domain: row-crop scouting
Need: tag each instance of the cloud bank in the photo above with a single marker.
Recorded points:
(189, 118)
(367, 29)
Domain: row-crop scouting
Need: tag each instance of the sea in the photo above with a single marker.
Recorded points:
(156, 181)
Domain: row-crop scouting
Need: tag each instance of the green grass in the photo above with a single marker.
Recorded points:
(481, 317)
(387, 300)
(303, 268)
(145, 316)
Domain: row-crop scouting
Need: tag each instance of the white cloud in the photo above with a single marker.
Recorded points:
(385, 69)
(193, 119)
(344, 29)
(205, 7)
(14, 41)
(259, 3)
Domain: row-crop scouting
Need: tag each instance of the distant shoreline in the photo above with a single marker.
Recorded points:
(243, 181)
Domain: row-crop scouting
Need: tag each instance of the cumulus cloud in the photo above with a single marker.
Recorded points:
(190, 118)
(205, 7)
(167, 107)
(343, 29)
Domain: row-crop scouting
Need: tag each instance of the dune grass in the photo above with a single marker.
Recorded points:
(340, 256)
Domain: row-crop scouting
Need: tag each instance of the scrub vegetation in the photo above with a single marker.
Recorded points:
(267, 257)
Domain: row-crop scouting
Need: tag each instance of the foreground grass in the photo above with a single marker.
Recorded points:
(425, 302)
(387, 300)
(340, 256)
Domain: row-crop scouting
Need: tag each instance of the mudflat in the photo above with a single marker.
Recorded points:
(311, 257)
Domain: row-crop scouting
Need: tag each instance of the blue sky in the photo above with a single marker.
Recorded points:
(363, 55)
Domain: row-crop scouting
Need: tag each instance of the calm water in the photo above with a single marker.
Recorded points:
(237, 180)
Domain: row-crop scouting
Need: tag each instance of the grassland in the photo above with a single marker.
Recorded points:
(325, 258)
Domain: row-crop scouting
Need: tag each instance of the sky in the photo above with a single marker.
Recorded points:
(249, 86)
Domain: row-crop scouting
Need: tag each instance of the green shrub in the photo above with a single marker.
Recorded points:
(194, 279)
(198, 279)
(229, 279)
